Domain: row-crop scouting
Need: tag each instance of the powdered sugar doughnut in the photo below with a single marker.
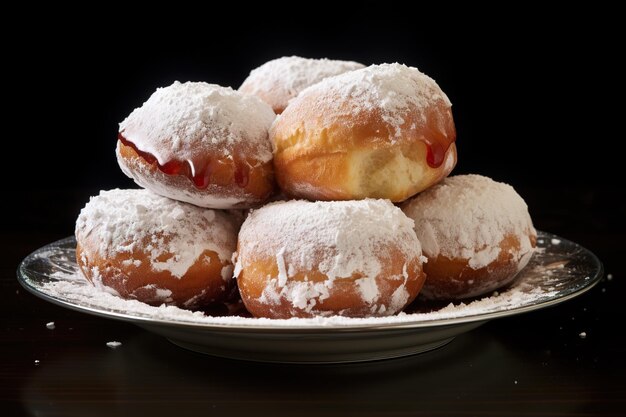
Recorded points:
(156, 250)
(278, 81)
(200, 143)
(476, 233)
(348, 258)
(385, 131)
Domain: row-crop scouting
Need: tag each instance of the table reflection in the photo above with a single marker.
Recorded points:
(149, 376)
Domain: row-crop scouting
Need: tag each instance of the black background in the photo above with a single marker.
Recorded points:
(532, 92)
(537, 103)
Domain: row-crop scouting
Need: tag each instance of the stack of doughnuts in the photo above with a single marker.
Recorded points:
(351, 211)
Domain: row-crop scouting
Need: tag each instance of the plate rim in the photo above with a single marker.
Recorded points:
(309, 328)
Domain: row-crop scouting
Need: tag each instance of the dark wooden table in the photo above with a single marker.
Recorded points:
(530, 365)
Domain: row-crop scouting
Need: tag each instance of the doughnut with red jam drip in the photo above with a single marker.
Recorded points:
(202, 144)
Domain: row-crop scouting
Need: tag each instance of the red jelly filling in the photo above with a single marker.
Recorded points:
(434, 155)
(203, 172)
(438, 141)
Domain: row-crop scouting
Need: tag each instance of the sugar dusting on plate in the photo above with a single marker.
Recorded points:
(72, 288)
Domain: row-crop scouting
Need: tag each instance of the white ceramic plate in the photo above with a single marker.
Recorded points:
(560, 270)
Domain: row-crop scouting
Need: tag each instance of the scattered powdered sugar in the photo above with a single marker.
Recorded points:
(184, 121)
(114, 344)
(582, 335)
(339, 238)
(50, 326)
(391, 89)
(467, 216)
(279, 80)
(172, 234)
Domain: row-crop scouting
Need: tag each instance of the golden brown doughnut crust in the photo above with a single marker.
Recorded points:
(324, 151)
(452, 279)
(201, 285)
(344, 298)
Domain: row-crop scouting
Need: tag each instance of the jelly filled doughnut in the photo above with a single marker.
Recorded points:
(385, 131)
(476, 233)
(348, 258)
(200, 143)
(279, 80)
(156, 250)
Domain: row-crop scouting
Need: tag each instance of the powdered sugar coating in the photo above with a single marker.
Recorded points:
(184, 121)
(394, 90)
(172, 234)
(280, 80)
(338, 239)
(467, 216)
